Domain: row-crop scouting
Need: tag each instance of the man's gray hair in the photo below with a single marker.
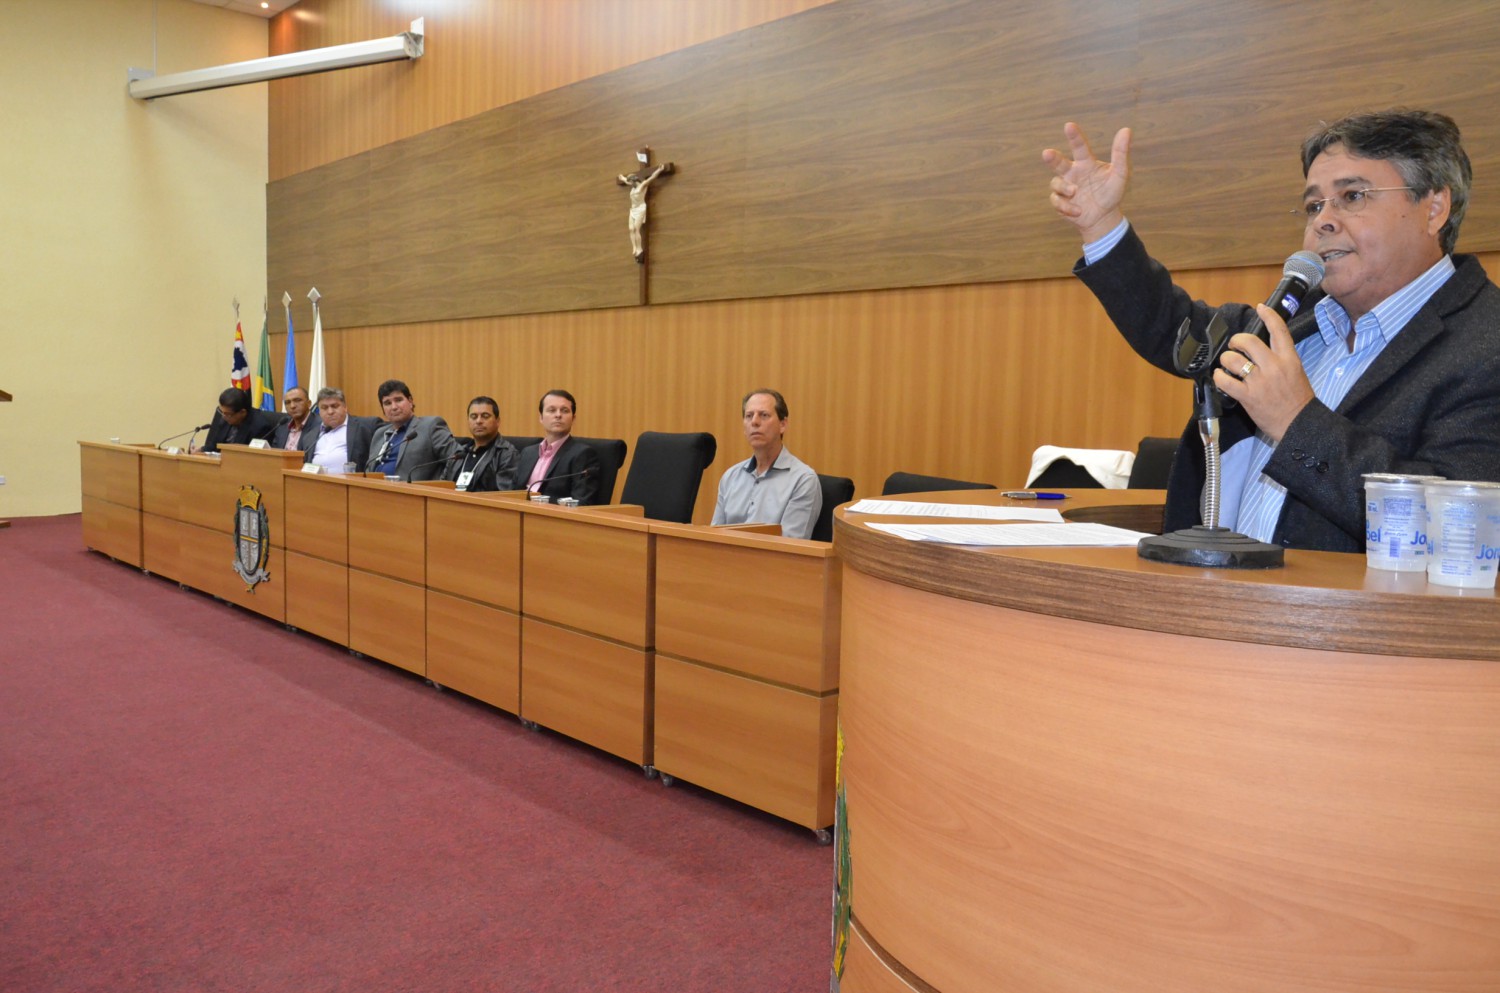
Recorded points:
(329, 393)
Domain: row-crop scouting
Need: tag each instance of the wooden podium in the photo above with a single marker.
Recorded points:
(1072, 769)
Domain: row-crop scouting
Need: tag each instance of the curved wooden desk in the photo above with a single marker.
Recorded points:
(1070, 770)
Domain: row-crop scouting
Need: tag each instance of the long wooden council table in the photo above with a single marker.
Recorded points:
(553, 614)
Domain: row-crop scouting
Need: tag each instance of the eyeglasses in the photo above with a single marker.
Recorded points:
(1345, 202)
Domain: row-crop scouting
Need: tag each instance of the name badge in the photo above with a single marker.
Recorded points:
(259, 443)
(464, 478)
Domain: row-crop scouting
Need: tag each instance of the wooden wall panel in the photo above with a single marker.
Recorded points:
(480, 54)
(868, 144)
(960, 380)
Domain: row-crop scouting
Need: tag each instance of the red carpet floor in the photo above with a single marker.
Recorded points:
(194, 799)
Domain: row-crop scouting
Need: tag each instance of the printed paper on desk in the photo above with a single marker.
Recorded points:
(905, 508)
(1015, 535)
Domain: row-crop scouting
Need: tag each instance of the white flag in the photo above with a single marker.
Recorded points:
(316, 377)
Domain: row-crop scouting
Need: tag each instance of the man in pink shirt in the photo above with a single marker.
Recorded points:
(559, 466)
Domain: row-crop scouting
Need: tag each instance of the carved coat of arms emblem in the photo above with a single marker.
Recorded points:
(252, 538)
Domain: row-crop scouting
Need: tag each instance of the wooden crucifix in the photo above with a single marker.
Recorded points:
(638, 183)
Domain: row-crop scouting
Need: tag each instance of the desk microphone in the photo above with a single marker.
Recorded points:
(456, 455)
(588, 471)
(201, 427)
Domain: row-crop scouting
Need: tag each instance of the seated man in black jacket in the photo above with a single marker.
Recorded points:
(560, 466)
(237, 423)
(489, 461)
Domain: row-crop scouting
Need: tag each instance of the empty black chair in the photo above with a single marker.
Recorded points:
(666, 472)
(1153, 464)
(910, 482)
(836, 490)
(1066, 474)
(611, 457)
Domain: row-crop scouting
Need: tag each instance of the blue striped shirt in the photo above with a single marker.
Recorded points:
(1250, 501)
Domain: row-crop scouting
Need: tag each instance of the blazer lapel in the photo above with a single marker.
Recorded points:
(1418, 333)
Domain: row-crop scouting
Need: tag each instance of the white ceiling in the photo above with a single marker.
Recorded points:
(267, 9)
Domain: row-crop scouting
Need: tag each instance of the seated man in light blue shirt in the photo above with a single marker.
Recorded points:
(1392, 365)
(773, 486)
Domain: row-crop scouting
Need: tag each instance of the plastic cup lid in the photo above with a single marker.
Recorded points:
(1465, 487)
(1398, 477)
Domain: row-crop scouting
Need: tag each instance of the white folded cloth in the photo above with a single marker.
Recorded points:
(1110, 466)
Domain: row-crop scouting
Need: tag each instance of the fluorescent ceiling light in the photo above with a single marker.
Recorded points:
(145, 85)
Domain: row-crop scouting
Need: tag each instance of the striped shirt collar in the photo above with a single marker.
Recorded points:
(1389, 316)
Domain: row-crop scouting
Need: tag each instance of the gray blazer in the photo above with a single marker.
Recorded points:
(1430, 404)
(424, 452)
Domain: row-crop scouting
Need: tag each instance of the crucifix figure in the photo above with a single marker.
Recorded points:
(638, 182)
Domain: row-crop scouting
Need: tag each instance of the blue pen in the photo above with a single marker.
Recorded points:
(1033, 495)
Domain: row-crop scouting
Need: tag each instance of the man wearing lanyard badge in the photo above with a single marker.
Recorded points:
(490, 462)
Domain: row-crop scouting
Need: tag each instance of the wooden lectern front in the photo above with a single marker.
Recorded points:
(1072, 769)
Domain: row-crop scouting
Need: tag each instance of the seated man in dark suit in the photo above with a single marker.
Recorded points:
(237, 423)
(413, 448)
(299, 420)
(559, 467)
(337, 440)
(489, 461)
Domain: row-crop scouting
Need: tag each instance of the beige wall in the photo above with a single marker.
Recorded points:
(129, 228)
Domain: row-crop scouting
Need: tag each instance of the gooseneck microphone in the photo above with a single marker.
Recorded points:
(1198, 355)
(201, 427)
(589, 470)
(1198, 351)
(417, 468)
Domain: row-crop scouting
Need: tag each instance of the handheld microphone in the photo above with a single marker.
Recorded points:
(201, 427)
(1300, 275)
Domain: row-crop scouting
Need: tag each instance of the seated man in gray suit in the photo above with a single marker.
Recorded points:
(338, 440)
(413, 448)
(489, 461)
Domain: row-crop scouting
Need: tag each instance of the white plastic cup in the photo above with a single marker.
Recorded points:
(1463, 529)
(1396, 521)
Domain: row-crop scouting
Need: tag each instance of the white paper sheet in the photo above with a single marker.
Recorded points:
(905, 508)
(1093, 535)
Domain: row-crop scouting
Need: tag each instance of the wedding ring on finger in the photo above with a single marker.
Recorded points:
(1247, 369)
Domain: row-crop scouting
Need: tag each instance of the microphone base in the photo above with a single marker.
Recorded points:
(1211, 548)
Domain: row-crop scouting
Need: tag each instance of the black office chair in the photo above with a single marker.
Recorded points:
(910, 482)
(521, 442)
(611, 457)
(836, 490)
(1153, 464)
(666, 472)
(1065, 474)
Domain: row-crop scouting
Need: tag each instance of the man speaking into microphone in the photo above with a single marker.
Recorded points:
(1391, 365)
